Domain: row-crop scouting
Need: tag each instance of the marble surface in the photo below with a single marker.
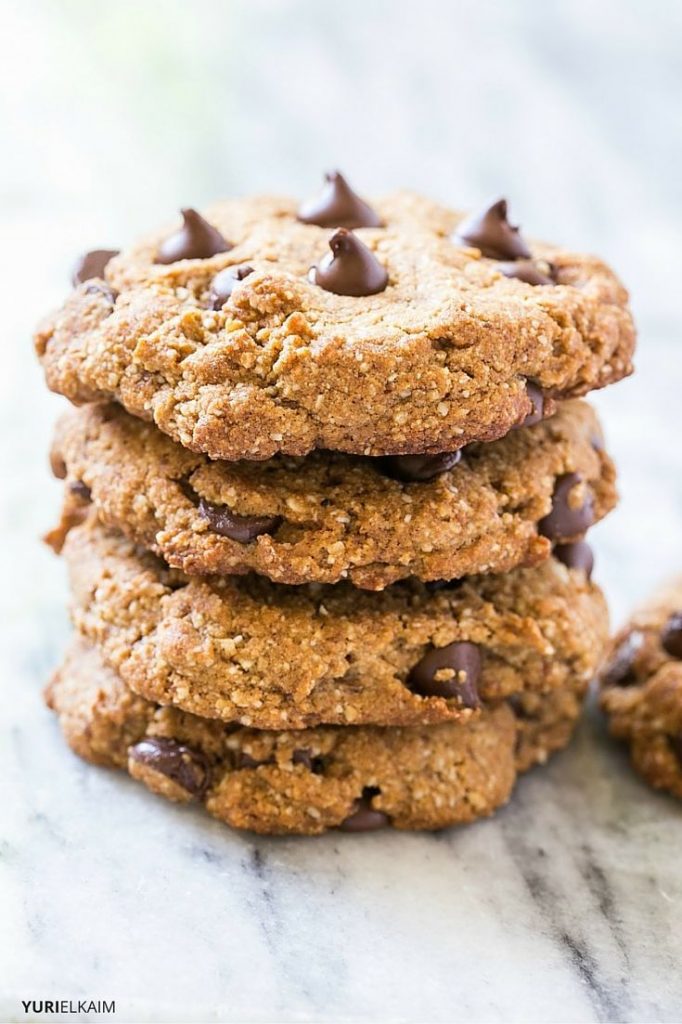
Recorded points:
(567, 905)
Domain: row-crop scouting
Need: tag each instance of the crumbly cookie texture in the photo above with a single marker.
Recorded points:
(356, 778)
(244, 649)
(642, 688)
(440, 358)
(332, 516)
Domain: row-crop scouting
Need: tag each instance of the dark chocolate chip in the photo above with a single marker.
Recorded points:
(451, 671)
(80, 489)
(671, 637)
(565, 520)
(239, 528)
(364, 818)
(576, 555)
(620, 669)
(338, 206)
(413, 468)
(537, 401)
(305, 757)
(491, 232)
(196, 240)
(529, 271)
(223, 284)
(244, 760)
(92, 264)
(187, 768)
(350, 269)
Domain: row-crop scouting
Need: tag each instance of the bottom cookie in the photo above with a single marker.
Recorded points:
(349, 777)
(642, 688)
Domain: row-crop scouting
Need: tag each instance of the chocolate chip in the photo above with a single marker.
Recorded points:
(239, 528)
(338, 206)
(576, 555)
(537, 401)
(529, 271)
(364, 818)
(187, 768)
(305, 757)
(80, 489)
(491, 232)
(565, 520)
(196, 240)
(451, 671)
(620, 669)
(223, 284)
(92, 264)
(671, 637)
(413, 468)
(351, 269)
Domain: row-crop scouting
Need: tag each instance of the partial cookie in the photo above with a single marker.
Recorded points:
(220, 333)
(327, 516)
(244, 649)
(306, 782)
(642, 688)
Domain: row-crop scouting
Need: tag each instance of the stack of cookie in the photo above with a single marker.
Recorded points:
(326, 494)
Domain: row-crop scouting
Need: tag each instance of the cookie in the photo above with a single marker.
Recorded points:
(244, 649)
(327, 517)
(642, 688)
(407, 338)
(355, 778)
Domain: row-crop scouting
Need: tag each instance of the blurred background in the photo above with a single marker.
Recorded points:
(113, 115)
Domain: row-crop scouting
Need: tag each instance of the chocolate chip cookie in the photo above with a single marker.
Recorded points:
(392, 328)
(642, 688)
(248, 650)
(355, 779)
(327, 516)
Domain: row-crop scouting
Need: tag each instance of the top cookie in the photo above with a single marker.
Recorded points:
(404, 339)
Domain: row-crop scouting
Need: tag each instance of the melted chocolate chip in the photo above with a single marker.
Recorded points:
(671, 637)
(92, 264)
(80, 489)
(414, 468)
(529, 271)
(576, 555)
(240, 528)
(223, 284)
(491, 232)
(451, 671)
(187, 768)
(364, 818)
(620, 670)
(196, 240)
(305, 757)
(351, 269)
(537, 401)
(565, 520)
(338, 206)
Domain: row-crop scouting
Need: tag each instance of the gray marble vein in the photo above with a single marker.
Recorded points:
(567, 905)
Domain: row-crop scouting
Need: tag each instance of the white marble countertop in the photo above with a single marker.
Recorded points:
(567, 906)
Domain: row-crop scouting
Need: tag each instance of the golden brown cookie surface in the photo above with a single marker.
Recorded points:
(440, 357)
(244, 649)
(357, 778)
(328, 517)
(642, 688)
